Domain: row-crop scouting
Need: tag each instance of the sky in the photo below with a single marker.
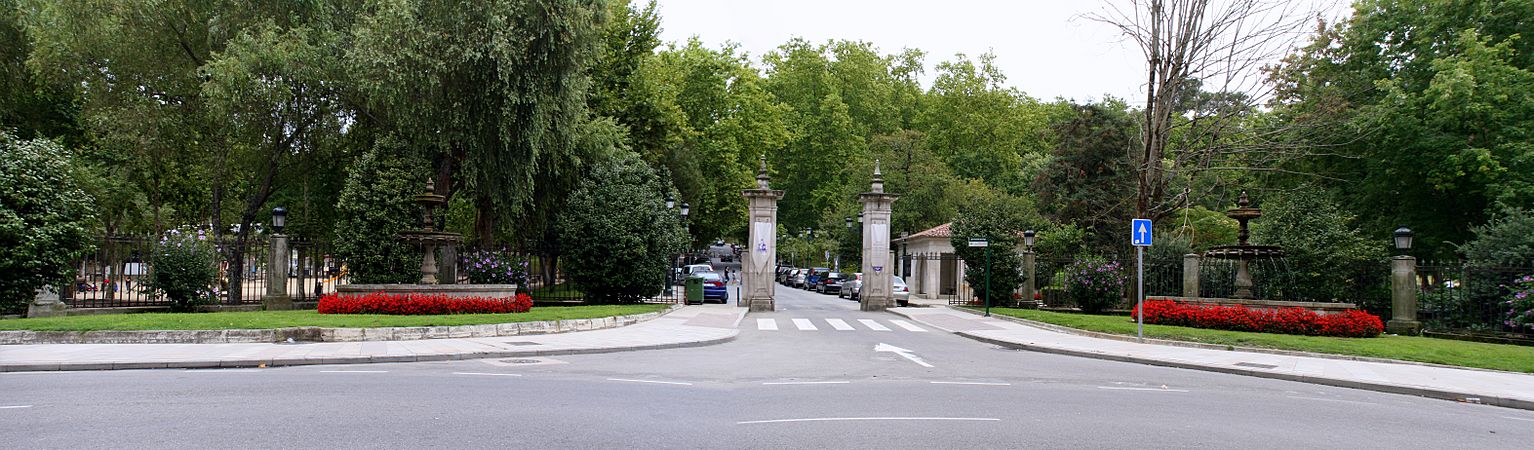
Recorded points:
(1047, 49)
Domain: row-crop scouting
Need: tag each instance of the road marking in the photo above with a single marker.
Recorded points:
(839, 324)
(1518, 418)
(354, 371)
(907, 325)
(650, 381)
(767, 324)
(1119, 388)
(872, 325)
(805, 382)
(805, 325)
(1338, 400)
(488, 373)
(222, 370)
(844, 419)
(882, 347)
(16, 407)
(976, 383)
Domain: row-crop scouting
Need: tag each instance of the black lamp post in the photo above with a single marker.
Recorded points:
(670, 201)
(849, 222)
(1403, 237)
(279, 219)
(1028, 239)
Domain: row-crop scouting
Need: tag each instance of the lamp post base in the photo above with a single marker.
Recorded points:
(1404, 327)
(276, 302)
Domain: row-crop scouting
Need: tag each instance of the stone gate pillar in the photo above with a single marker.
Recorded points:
(877, 270)
(276, 297)
(760, 263)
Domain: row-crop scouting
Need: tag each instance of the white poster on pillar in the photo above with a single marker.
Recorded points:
(881, 236)
(762, 248)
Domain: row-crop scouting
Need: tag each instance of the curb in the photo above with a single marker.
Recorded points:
(323, 334)
(1378, 387)
(283, 362)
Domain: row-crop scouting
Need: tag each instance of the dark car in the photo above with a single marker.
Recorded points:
(813, 278)
(714, 287)
(831, 283)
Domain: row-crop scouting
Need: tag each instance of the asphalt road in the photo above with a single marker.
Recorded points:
(789, 387)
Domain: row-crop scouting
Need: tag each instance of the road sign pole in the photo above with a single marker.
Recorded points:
(1140, 294)
(988, 281)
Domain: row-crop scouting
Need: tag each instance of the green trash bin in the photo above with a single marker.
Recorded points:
(694, 289)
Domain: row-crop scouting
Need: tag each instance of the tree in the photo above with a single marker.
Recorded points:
(1327, 256)
(375, 205)
(45, 219)
(1190, 45)
(1001, 219)
(981, 129)
(1086, 181)
(494, 91)
(618, 235)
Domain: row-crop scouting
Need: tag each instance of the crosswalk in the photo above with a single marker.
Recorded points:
(804, 324)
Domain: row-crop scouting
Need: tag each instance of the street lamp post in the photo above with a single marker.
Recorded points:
(1028, 265)
(1403, 287)
(276, 297)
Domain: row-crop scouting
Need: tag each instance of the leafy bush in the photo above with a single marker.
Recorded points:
(421, 304)
(1520, 307)
(184, 267)
(1096, 284)
(1505, 241)
(619, 237)
(494, 267)
(376, 204)
(999, 218)
(1328, 259)
(44, 217)
(1350, 323)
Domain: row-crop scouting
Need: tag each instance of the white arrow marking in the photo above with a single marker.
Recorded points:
(882, 347)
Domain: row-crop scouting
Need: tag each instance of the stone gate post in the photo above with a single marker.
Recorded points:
(760, 263)
(878, 281)
(1403, 296)
(1190, 266)
(276, 297)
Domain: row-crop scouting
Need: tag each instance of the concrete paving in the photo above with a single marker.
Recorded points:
(1498, 388)
(685, 327)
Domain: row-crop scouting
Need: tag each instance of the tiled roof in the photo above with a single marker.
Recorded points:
(943, 231)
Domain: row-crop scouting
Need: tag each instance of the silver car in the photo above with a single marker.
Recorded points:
(902, 293)
(851, 287)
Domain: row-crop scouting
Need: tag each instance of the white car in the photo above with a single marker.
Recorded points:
(902, 293)
(695, 268)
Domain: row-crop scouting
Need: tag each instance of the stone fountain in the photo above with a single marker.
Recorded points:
(1244, 253)
(430, 239)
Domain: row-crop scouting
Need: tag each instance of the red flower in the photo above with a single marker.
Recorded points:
(1350, 323)
(421, 304)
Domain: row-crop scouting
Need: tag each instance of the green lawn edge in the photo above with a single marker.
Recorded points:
(260, 320)
(1512, 358)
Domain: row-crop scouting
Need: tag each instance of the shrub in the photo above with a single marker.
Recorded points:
(375, 205)
(999, 218)
(1520, 305)
(421, 304)
(1301, 321)
(618, 236)
(44, 217)
(1328, 258)
(1096, 284)
(184, 266)
(494, 267)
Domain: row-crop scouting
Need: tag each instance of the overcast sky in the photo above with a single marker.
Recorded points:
(1045, 48)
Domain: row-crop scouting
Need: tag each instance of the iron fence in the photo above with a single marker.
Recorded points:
(117, 274)
(1460, 296)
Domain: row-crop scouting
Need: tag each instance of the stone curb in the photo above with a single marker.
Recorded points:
(1271, 351)
(1379, 387)
(320, 334)
(279, 362)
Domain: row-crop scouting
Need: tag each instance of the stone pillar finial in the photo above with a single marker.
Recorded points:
(878, 182)
(761, 174)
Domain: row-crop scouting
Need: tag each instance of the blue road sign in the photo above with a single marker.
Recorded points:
(1140, 232)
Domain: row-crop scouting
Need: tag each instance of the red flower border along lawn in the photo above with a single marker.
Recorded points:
(421, 304)
(1350, 323)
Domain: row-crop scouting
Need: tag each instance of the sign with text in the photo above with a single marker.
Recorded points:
(979, 242)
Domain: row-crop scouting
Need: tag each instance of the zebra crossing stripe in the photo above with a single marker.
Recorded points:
(872, 325)
(805, 325)
(839, 324)
(767, 324)
(907, 325)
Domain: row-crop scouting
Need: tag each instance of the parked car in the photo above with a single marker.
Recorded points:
(714, 287)
(814, 277)
(783, 274)
(695, 268)
(831, 283)
(901, 292)
(799, 279)
(850, 287)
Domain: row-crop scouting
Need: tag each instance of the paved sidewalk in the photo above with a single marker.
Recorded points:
(1469, 385)
(685, 327)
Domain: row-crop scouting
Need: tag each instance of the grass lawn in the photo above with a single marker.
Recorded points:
(1513, 358)
(280, 319)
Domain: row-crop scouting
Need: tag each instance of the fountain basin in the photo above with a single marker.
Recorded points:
(450, 290)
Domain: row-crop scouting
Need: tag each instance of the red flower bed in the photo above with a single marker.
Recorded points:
(1350, 323)
(421, 304)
